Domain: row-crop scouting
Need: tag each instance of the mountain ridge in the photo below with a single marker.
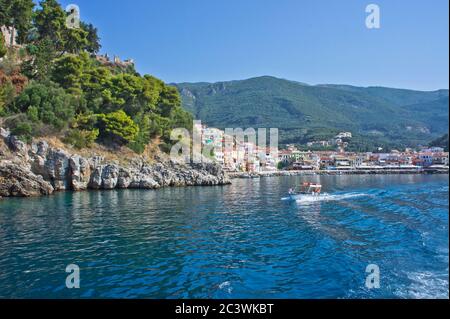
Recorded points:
(389, 117)
(308, 84)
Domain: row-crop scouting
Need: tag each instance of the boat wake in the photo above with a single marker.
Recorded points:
(325, 197)
(329, 197)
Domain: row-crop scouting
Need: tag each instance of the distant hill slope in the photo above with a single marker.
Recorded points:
(441, 142)
(377, 116)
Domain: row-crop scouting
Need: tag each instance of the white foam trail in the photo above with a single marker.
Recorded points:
(426, 285)
(328, 197)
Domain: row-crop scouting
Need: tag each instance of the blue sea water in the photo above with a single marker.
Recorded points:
(235, 241)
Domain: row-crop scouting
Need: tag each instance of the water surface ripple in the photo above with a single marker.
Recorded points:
(236, 241)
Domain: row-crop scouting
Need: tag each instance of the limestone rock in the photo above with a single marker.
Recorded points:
(20, 182)
(17, 146)
(95, 181)
(40, 169)
(80, 172)
(110, 176)
(57, 169)
(125, 178)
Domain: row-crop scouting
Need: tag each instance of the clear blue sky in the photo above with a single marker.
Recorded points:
(312, 41)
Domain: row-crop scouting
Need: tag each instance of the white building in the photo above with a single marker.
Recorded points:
(440, 159)
(344, 135)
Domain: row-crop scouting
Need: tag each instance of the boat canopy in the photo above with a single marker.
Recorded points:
(309, 188)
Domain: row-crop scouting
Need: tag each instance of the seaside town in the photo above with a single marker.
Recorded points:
(247, 157)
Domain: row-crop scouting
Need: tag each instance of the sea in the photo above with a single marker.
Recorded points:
(369, 236)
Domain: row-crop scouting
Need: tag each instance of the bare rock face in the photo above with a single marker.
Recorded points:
(38, 165)
(95, 181)
(147, 182)
(20, 182)
(80, 172)
(4, 133)
(57, 169)
(42, 148)
(95, 161)
(110, 176)
(17, 146)
(42, 169)
(125, 178)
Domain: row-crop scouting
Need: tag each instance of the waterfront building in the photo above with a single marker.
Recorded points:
(326, 161)
(424, 159)
(284, 156)
(440, 158)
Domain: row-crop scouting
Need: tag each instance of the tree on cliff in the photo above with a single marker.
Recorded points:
(48, 103)
(18, 15)
(93, 40)
(50, 20)
(119, 126)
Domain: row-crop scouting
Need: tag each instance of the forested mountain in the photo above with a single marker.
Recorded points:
(376, 116)
(441, 142)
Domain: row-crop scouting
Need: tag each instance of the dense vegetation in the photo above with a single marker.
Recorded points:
(441, 142)
(53, 84)
(377, 117)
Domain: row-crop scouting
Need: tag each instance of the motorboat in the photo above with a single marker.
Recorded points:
(306, 190)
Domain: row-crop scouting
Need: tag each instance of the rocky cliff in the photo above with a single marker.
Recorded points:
(40, 169)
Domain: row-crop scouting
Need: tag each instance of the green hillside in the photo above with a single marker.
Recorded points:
(441, 142)
(376, 116)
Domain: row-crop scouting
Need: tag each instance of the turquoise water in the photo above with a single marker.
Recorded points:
(236, 241)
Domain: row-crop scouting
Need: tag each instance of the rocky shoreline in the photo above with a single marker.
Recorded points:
(39, 169)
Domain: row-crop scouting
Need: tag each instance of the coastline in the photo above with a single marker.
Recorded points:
(237, 175)
(39, 169)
